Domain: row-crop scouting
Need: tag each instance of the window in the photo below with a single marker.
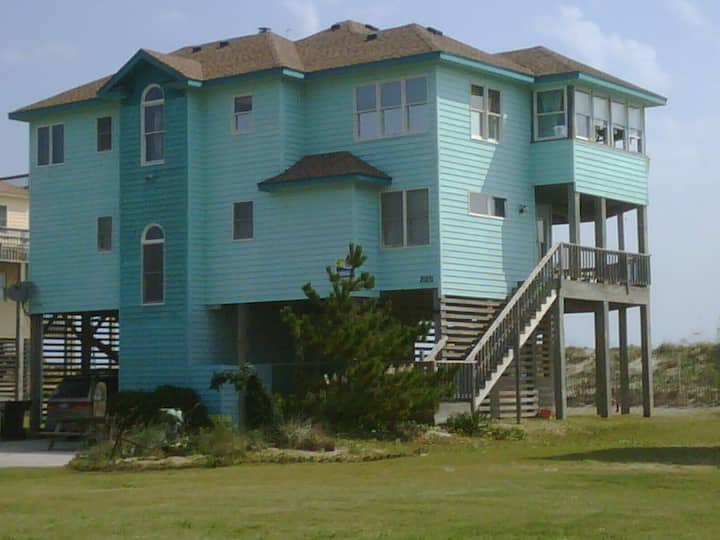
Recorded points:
(243, 220)
(391, 108)
(483, 204)
(153, 265)
(405, 217)
(243, 115)
(550, 111)
(51, 145)
(635, 129)
(3, 216)
(619, 124)
(104, 134)
(601, 120)
(153, 125)
(583, 115)
(104, 233)
(485, 116)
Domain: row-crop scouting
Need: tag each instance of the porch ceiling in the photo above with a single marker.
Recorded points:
(557, 196)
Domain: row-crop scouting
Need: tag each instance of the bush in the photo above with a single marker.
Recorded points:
(259, 410)
(301, 435)
(221, 442)
(139, 408)
(474, 424)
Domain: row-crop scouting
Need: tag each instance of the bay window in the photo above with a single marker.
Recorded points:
(550, 114)
(391, 108)
(614, 123)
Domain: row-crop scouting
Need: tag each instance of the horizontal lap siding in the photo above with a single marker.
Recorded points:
(551, 162)
(65, 202)
(483, 256)
(410, 160)
(609, 173)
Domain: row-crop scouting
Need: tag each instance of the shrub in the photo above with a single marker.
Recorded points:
(259, 410)
(468, 424)
(301, 435)
(221, 442)
(136, 407)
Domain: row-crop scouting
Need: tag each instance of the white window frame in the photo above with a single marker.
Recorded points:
(491, 205)
(537, 115)
(143, 143)
(143, 243)
(232, 227)
(590, 119)
(51, 143)
(98, 234)
(404, 107)
(611, 132)
(485, 114)
(404, 244)
(234, 115)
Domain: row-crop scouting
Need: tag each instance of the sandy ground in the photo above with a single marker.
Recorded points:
(34, 453)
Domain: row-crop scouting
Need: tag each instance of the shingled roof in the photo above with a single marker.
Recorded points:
(343, 44)
(331, 166)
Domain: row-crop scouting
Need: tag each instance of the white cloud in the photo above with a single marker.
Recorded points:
(687, 12)
(306, 12)
(608, 51)
(13, 56)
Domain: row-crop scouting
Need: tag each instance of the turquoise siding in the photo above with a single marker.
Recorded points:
(605, 172)
(65, 202)
(551, 162)
(483, 256)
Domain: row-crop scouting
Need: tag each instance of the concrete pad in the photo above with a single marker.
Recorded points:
(34, 453)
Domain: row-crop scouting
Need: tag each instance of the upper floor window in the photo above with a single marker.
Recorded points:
(243, 115)
(550, 114)
(405, 218)
(482, 204)
(153, 265)
(485, 113)
(104, 134)
(104, 233)
(3, 216)
(391, 108)
(243, 220)
(153, 125)
(51, 145)
(610, 122)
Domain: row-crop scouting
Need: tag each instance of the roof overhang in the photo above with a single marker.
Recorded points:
(324, 180)
(648, 99)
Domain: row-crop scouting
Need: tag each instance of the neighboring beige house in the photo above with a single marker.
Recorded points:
(14, 245)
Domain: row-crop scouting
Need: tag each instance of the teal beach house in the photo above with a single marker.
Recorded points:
(178, 203)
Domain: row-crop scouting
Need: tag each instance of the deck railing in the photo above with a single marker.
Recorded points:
(563, 261)
(14, 244)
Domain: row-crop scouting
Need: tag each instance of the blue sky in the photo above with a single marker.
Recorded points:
(669, 46)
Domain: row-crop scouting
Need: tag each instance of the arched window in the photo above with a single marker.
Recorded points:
(153, 265)
(153, 125)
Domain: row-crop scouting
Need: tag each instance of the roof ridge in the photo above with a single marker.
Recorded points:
(422, 33)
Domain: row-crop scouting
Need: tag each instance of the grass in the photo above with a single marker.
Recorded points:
(624, 477)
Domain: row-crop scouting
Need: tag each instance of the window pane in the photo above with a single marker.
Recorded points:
(418, 118)
(479, 203)
(104, 233)
(499, 207)
(476, 123)
(154, 94)
(635, 140)
(582, 103)
(243, 104)
(494, 101)
(244, 122)
(600, 108)
(154, 233)
(368, 127)
(152, 287)
(365, 98)
(619, 137)
(477, 100)
(104, 134)
(243, 220)
(154, 118)
(493, 127)
(582, 126)
(635, 118)
(618, 113)
(154, 150)
(418, 226)
(43, 145)
(601, 131)
(58, 143)
(153, 258)
(416, 90)
(551, 125)
(392, 121)
(391, 94)
(392, 218)
(551, 101)
(3, 216)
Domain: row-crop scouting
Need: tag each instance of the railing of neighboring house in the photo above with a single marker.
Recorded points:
(567, 261)
(14, 244)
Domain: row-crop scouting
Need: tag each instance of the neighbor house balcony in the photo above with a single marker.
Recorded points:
(14, 245)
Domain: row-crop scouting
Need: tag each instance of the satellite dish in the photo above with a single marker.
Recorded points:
(20, 292)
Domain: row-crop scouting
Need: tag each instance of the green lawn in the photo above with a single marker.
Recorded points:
(587, 478)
